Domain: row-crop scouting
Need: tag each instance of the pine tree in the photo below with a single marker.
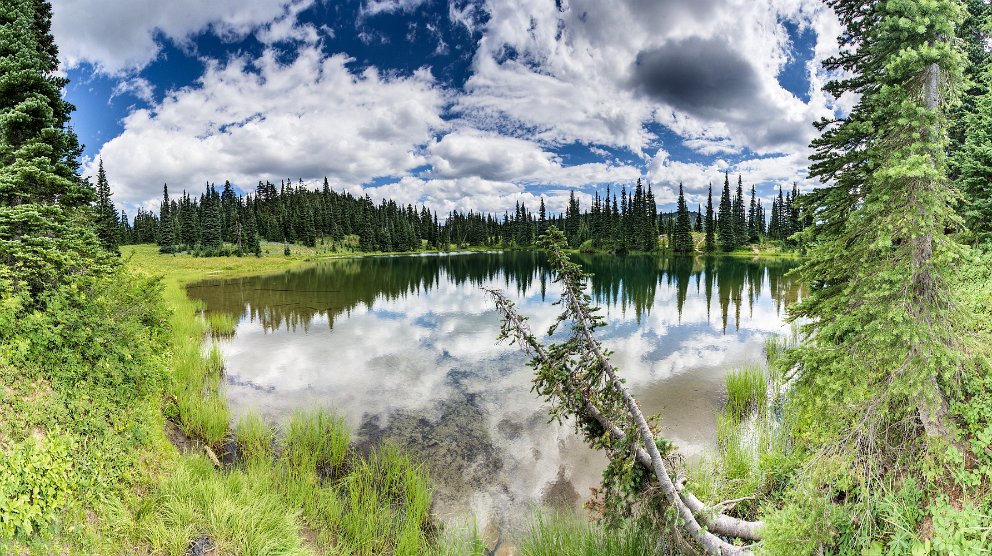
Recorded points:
(572, 219)
(43, 202)
(725, 223)
(973, 162)
(740, 215)
(650, 233)
(166, 239)
(105, 214)
(752, 217)
(124, 230)
(881, 262)
(210, 235)
(249, 232)
(682, 237)
(710, 224)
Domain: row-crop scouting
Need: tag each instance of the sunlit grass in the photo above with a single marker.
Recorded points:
(316, 441)
(255, 438)
(747, 392)
(221, 324)
(570, 535)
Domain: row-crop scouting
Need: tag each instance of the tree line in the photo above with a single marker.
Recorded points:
(290, 214)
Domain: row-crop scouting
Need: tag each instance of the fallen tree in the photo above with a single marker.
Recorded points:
(577, 378)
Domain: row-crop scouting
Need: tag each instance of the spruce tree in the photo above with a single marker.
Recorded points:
(650, 232)
(105, 214)
(682, 237)
(973, 162)
(725, 224)
(45, 230)
(752, 217)
(882, 260)
(710, 223)
(166, 237)
(210, 236)
(740, 215)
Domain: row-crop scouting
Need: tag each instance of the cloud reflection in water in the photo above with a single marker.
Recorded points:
(405, 348)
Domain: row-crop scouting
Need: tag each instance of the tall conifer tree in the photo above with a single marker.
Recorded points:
(725, 224)
(710, 223)
(682, 237)
(881, 263)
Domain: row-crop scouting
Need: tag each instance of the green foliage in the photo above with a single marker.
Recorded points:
(255, 438)
(240, 512)
(875, 362)
(37, 480)
(104, 213)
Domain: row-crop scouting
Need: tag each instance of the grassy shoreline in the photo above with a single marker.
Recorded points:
(297, 489)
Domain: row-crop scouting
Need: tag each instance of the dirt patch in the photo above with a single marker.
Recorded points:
(183, 442)
(202, 546)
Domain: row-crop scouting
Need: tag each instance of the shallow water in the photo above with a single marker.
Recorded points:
(405, 348)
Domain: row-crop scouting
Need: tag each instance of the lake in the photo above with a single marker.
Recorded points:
(404, 347)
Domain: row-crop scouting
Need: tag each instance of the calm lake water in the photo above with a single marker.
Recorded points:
(405, 349)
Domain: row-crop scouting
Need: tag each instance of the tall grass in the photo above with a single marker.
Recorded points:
(569, 535)
(221, 325)
(194, 380)
(255, 438)
(316, 441)
(747, 392)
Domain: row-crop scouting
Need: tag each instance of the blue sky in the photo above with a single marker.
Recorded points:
(459, 105)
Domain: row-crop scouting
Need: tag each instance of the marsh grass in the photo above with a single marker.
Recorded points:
(255, 438)
(221, 325)
(316, 441)
(555, 534)
(747, 392)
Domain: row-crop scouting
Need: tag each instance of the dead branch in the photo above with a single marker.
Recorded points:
(697, 518)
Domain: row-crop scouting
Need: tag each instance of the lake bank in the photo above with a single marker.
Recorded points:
(405, 348)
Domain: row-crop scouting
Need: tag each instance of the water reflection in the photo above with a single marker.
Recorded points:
(405, 348)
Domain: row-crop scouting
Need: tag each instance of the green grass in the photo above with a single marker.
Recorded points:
(255, 438)
(570, 535)
(316, 440)
(221, 324)
(282, 499)
(747, 392)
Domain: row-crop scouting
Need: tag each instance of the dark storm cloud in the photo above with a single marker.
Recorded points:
(706, 78)
(709, 79)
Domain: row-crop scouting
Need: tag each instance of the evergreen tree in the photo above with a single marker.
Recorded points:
(105, 214)
(881, 262)
(44, 214)
(710, 244)
(740, 215)
(125, 232)
(166, 240)
(973, 161)
(725, 222)
(682, 237)
(752, 218)
(249, 234)
(572, 219)
(210, 236)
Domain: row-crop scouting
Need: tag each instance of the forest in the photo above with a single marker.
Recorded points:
(296, 214)
(867, 431)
